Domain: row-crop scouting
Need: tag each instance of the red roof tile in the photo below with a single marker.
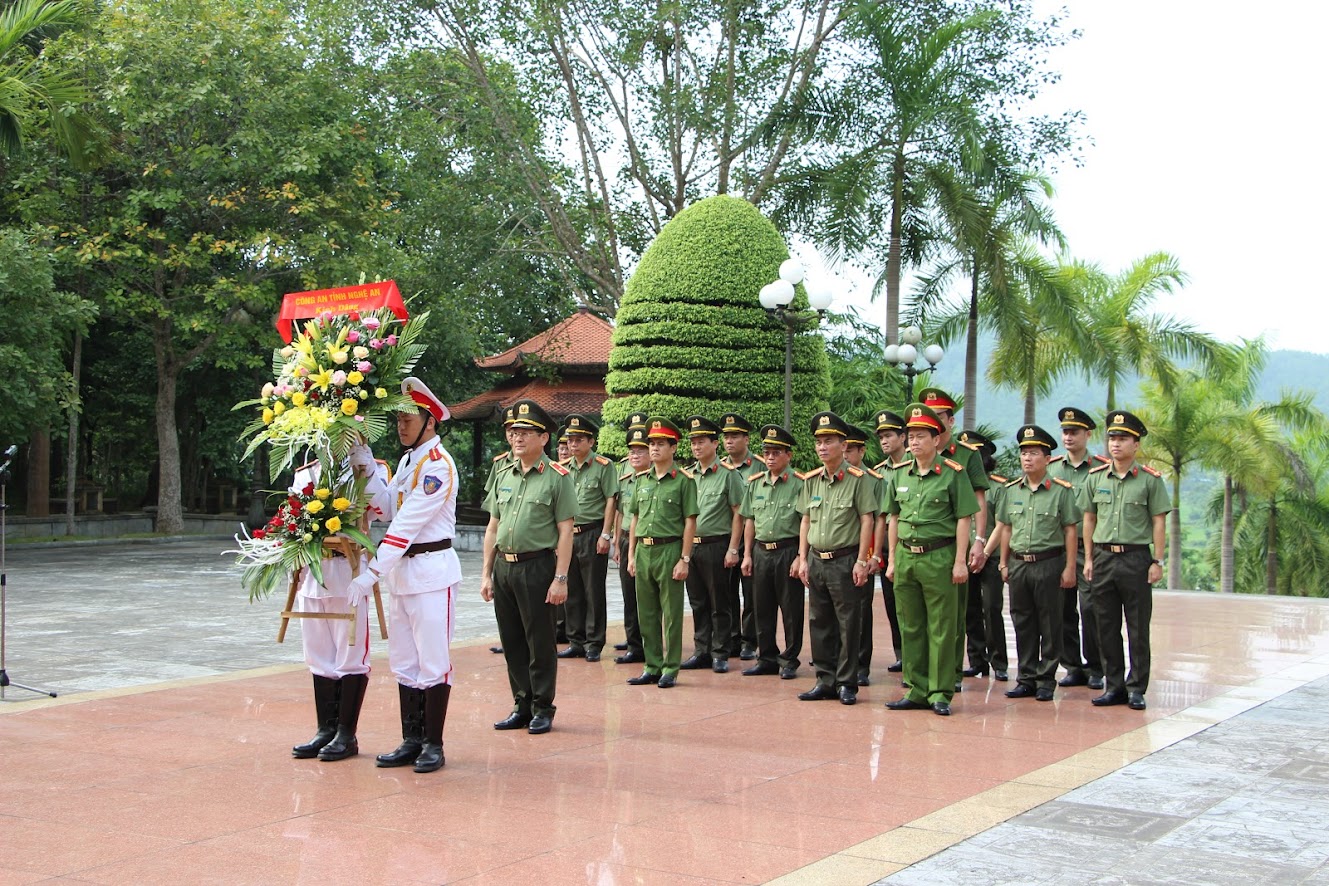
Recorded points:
(580, 342)
(559, 399)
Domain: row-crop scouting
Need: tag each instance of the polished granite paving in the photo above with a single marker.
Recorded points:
(724, 779)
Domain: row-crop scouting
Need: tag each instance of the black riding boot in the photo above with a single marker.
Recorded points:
(343, 744)
(412, 728)
(326, 694)
(436, 712)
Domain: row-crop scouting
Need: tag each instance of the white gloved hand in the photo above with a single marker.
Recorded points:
(362, 585)
(361, 455)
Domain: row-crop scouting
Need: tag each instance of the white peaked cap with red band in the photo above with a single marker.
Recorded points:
(420, 393)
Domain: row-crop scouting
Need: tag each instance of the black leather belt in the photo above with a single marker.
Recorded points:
(1122, 549)
(525, 555)
(709, 539)
(578, 530)
(1039, 555)
(651, 540)
(428, 547)
(835, 554)
(778, 545)
(927, 546)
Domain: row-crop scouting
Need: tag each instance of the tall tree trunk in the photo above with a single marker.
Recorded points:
(1030, 400)
(39, 474)
(971, 356)
(71, 455)
(893, 256)
(1174, 533)
(1271, 553)
(170, 512)
(1226, 560)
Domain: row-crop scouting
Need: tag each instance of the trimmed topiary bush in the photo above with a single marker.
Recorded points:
(690, 336)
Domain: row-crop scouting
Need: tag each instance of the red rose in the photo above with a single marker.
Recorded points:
(353, 316)
(259, 533)
(308, 490)
(291, 527)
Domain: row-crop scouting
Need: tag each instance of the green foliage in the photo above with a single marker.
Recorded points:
(700, 278)
(33, 90)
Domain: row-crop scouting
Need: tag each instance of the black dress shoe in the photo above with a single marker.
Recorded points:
(1095, 682)
(907, 704)
(629, 658)
(864, 678)
(761, 670)
(1135, 700)
(747, 653)
(941, 709)
(514, 720)
(497, 650)
(1019, 690)
(959, 687)
(643, 678)
(720, 666)
(1073, 678)
(540, 725)
(975, 672)
(818, 693)
(592, 654)
(1108, 698)
(1043, 694)
(1001, 676)
(788, 673)
(572, 652)
(696, 663)
(620, 647)
(848, 695)
(667, 681)
(896, 668)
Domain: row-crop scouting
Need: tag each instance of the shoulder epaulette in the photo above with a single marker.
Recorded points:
(503, 455)
(1016, 482)
(812, 473)
(998, 478)
(1056, 458)
(602, 460)
(1103, 458)
(686, 473)
(727, 466)
(871, 473)
(1149, 470)
(435, 454)
(754, 478)
(1100, 468)
(853, 471)
(562, 461)
(642, 473)
(558, 466)
(966, 444)
(952, 463)
(627, 475)
(1061, 482)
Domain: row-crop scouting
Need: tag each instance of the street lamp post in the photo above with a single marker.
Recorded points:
(776, 298)
(906, 353)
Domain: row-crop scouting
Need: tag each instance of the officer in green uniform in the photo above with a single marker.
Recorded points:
(1036, 520)
(664, 522)
(596, 481)
(1125, 508)
(890, 434)
(638, 458)
(930, 503)
(500, 462)
(839, 504)
(736, 433)
(527, 548)
(715, 549)
(985, 625)
(943, 404)
(855, 452)
(770, 548)
(1079, 631)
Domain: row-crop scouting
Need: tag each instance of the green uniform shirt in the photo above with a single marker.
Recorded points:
(1125, 505)
(719, 491)
(969, 458)
(747, 468)
(529, 505)
(1038, 516)
(929, 506)
(1077, 476)
(772, 506)
(627, 486)
(994, 495)
(662, 504)
(596, 481)
(834, 504)
(887, 472)
(501, 461)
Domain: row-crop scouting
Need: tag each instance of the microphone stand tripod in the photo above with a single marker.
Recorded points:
(5, 458)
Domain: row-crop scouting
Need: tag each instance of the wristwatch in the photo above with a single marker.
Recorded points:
(1158, 562)
(561, 579)
(607, 536)
(685, 558)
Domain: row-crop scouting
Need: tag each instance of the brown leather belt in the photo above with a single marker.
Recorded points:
(709, 539)
(428, 547)
(651, 540)
(524, 556)
(1122, 549)
(835, 554)
(778, 545)
(927, 546)
(578, 530)
(1039, 555)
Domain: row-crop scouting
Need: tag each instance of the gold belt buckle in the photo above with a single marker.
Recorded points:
(696, 539)
(1117, 549)
(826, 555)
(1029, 558)
(914, 549)
(769, 545)
(648, 541)
(511, 558)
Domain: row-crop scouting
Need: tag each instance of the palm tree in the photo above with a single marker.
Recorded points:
(31, 89)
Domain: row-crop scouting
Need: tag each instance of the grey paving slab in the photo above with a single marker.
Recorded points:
(84, 618)
(1245, 801)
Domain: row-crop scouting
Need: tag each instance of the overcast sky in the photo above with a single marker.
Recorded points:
(1207, 122)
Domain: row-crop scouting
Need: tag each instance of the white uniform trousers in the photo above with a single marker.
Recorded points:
(325, 639)
(420, 637)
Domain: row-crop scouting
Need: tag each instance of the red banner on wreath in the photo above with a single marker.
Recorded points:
(366, 297)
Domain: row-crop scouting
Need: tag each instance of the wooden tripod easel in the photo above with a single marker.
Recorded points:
(351, 551)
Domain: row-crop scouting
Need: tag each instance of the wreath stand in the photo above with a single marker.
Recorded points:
(351, 551)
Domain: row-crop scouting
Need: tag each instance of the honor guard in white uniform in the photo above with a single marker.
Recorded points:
(341, 670)
(421, 571)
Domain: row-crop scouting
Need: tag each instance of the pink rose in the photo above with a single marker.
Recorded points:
(376, 344)
(364, 366)
(339, 378)
(352, 336)
(325, 317)
(372, 323)
(392, 341)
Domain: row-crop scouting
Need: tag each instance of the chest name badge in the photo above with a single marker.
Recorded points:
(431, 484)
